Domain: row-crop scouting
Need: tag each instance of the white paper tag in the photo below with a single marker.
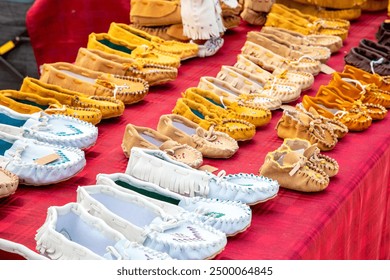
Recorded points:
(326, 69)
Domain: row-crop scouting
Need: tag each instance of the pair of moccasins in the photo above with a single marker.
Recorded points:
(299, 165)
(182, 140)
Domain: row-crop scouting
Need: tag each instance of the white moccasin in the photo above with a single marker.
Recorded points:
(55, 129)
(230, 217)
(143, 222)
(20, 250)
(155, 167)
(71, 233)
(39, 163)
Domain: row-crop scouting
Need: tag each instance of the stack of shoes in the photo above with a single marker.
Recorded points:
(156, 167)
(138, 37)
(9, 182)
(255, 12)
(75, 78)
(299, 165)
(212, 144)
(271, 61)
(351, 10)
(284, 17)
(29, 103)
(101, 61)
(230, 15)
(328, 102)
(109, 107)
(105, 42)
(145, 137)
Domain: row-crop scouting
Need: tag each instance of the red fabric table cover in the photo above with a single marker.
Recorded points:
(349, 220)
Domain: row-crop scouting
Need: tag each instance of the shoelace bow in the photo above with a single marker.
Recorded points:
(16, 154)
(298, 165)
(375, 62)
(143, 51)
(208, 135)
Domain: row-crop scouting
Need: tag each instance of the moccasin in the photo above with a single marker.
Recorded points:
(72, 77)
(314, 9)
(338, 128)
(373, 46)
(54, 129)
(297, 124)
(155, 12)
(148, 224)
(368, 61)
(383, 83)
(238, 129)
(374, 5)
(354, 116)
(145, 137)
(253, 17)
(251, 64)
(101, 61)
(38, 163)
(105, 42)
(227, 109)
(156, 167)
(230, 217)
(319, 27)
(138, 37)
(382, 29)
(108, 106)
(359, 90)
(286, 92)
(271, 61)
(212, 144)
(9, 182)
(231, 21)
(293, 171)
(248, 97)
(19, 250)
(333, 43)
(288, 49)
(71, 233)
(30, 103)
(313, 154)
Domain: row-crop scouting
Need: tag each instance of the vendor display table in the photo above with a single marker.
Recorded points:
(349, 220)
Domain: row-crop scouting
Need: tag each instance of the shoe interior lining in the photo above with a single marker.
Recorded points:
(5, 119)
(4, 146)
(28, 102)
(78, 76)
(148, 193)
(151, 139)
(134, 213)
(75, 229)
(183, 127)
(115, 46)
(197, 113)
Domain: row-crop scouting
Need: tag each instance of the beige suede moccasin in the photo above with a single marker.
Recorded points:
(9, 182)
(145, 137)
(212, 144)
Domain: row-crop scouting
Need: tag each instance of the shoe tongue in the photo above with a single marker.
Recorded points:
(291, 158)
(310, 151)
(304, 118)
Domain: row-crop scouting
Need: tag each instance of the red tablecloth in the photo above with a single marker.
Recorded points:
(349, 220)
